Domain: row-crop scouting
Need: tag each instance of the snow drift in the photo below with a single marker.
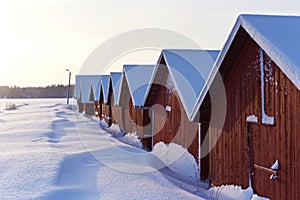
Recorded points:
(179, 160)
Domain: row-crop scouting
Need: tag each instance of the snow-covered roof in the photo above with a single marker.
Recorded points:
(189, 70)
(138, 79)
(105, 87)
(116, 85)
(278, 36)
(84, 85)
(98, 90)
(77, 87)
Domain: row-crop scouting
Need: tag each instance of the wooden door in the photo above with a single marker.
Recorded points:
(262, 156)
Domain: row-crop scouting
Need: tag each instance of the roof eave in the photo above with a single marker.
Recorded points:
(215, 69)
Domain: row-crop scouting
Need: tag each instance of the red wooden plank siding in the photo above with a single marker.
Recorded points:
(97, 109)
(127, 117)
(80, 105)
(147, 129)
(173, 126)
(229, 157)
(117, 116)
(90, 108)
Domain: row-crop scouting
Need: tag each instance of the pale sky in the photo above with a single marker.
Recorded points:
(40, 39)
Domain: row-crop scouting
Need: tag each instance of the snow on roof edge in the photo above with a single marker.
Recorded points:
(85, 98)
(152, 77)
(95, 88)
(175, 83)
(107, 92)
(215, 69)
(116, 102)
(121, 83)
(148, 86)
(281, 60)
(130, 92)
(84, 80)
(287, 66)
(77, 88)
(98, 89)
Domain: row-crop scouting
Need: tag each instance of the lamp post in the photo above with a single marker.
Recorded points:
(69, 85)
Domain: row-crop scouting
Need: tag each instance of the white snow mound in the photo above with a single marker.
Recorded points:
(103, 124)
(132, 139)
(233, 192)
(178, 159)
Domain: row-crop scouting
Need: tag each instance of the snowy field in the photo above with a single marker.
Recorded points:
(50, 151)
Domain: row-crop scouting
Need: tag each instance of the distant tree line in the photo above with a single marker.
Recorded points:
(53, 91)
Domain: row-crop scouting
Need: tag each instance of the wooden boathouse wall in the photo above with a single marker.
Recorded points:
(97, 109)
(117, 116)
(280, 141)
(116, 112)
(101, 102)
(174, 126)
(80, 105)
(171, 126)
(107, 107)
(133, 119)
(90, 106)
(126, 123)
(141, 124)
(87, 107)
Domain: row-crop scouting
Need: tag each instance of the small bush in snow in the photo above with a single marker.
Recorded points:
(116, 131)
(115, 128)
(96, 119)
(10, 106)
(103, 124)
(132, 139)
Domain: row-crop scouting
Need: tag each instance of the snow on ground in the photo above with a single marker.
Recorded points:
(233, 192)
(132, 139)
(49, 151)
(179, 160)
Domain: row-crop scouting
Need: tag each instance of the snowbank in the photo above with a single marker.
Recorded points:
(103, 124)
(116, 131)
(256, 197)
(129, 138)
(96, 119)
(51, 152)
(233, 192)
(73, 107)
(132, 139)
(10, 106)
(179, 160)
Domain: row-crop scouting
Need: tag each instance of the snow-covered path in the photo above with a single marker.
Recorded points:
(48, 151)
